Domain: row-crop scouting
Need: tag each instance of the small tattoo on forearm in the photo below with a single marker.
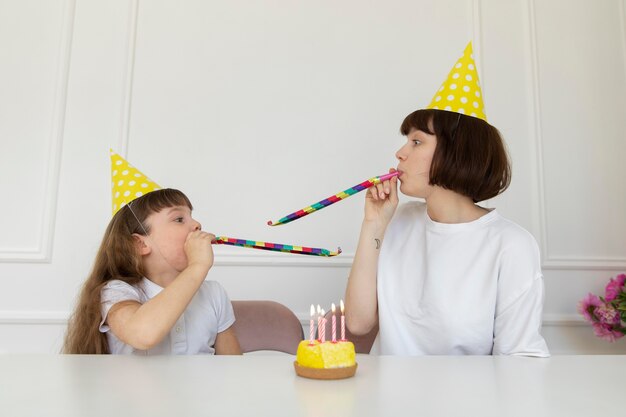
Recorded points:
(377, 243)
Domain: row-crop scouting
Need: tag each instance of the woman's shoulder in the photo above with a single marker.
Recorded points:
(513, 237)
(511, 230)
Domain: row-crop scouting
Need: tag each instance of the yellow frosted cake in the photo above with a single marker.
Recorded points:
(326, 360)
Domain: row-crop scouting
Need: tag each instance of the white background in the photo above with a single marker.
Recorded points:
(258, 108)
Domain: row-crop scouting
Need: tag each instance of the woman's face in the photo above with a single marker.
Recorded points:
(414, 159)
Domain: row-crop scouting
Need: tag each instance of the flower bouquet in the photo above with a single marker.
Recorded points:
(607, 314)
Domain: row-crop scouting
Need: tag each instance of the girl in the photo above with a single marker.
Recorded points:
(447, 276)
(147, 292)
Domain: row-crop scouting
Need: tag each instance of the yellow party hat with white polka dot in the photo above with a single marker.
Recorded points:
(127, 182)
(460, 92)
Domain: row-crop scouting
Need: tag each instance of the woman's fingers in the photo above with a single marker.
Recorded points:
(383, 190)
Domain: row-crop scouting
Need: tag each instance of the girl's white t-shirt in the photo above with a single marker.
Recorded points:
(209, 312)
(458, 289)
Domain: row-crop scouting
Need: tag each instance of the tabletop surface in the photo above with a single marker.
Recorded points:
(264, 385)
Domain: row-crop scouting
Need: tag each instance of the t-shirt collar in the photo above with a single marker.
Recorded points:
(457, 227)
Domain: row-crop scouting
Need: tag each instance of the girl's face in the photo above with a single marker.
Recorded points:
(169, 229)
(414, 159)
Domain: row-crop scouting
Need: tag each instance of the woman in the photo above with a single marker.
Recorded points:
(447, 276)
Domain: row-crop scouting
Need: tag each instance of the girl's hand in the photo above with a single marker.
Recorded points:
(198, 248)
(381, 201)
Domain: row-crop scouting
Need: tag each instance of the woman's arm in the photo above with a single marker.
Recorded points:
(519, 307)
(361, 300)
(517, 329)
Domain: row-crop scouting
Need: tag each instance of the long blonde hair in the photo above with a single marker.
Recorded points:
(117, 258)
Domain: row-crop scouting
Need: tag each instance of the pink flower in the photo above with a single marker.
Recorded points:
(606, 332)
(587, 307)
(614, 287)
(607, 314)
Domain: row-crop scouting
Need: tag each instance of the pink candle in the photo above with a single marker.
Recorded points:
(334, 323)
(319, 322)
(343, 321)
(312, 326)
(323, 326)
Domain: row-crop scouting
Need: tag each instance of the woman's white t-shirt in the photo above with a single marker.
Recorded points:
(209, 312)
(458, 289)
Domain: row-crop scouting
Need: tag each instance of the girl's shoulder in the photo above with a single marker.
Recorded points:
(213, 289)
(116, 290)
(118, 284)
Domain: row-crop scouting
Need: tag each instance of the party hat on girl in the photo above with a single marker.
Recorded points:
(460, 92)
(127, 182)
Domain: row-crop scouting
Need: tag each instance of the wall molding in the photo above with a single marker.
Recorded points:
(345, 260)
(549, 320)
(550, 261)
(43, 252)
(129, 72)
(35, 317)
(282, 260)
(584, 264)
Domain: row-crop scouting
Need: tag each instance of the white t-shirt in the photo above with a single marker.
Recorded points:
(209, 312)
(458, 289)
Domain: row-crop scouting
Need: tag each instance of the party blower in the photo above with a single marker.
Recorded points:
(333, 199)
(277, 247)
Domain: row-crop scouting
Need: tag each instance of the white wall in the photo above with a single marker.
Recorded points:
(258, 108)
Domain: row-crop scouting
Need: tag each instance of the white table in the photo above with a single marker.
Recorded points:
(266, 385)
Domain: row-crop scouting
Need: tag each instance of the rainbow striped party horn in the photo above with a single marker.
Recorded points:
(277, 247)
(333, 199)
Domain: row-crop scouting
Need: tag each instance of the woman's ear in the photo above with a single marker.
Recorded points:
(141, 243)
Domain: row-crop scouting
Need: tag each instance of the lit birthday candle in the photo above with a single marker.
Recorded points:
(334, 198)
(312, 326)
(319, 322)
(334, 319)
(277, 247)
(343, 321)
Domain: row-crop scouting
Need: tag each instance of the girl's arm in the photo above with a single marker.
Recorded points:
(361, 299)
(143, 326)
(226, 343)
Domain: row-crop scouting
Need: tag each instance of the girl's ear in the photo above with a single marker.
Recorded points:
(143, 248)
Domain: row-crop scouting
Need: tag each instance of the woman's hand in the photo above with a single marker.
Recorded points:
(381, 201)
(198, 249)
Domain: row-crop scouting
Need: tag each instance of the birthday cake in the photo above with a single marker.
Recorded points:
(327, 360)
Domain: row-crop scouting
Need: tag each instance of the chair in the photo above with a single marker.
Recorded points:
(362, 343)
(266, 325)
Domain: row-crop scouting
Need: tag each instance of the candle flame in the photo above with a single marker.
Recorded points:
(312, 310)
(332, 307)
(341, 306)
(319, 309)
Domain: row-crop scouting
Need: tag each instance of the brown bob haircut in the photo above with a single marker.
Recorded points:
(470, 158)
